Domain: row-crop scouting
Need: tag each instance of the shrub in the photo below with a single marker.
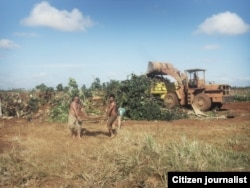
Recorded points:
(134, 95)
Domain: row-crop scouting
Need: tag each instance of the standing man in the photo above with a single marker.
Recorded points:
(111, 114)
(74, 121)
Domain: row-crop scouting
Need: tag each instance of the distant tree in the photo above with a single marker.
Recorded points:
(83, 87)
(42, 87)
(86, 92)
(72, 83)
(96, 85)
(50, 89)
(66, 89)
(73, 87)
(59, 87)
(113, 86)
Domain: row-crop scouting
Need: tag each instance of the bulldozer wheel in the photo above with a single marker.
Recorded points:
(171, 100)
(203, 102)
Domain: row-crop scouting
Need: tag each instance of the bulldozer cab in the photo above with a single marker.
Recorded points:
(195, 78)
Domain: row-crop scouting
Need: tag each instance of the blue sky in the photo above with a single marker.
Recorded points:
(51, 41)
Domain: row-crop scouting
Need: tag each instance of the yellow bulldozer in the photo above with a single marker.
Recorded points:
(188, 88)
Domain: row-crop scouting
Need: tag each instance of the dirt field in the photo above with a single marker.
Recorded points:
(33, 144)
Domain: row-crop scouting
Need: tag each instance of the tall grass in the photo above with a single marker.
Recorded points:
(48, 157)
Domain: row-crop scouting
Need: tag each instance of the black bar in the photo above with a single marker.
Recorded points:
(208, 179)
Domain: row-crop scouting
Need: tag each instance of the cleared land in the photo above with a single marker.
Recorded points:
(42, 154)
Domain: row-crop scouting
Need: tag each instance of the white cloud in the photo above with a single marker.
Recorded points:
(211, 47)
(43, 14)
(227, 23)
(8, 44)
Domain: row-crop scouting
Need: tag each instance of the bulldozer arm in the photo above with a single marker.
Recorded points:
(155, 68)
(165, 69)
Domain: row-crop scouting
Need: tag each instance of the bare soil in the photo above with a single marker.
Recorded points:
(236, 113)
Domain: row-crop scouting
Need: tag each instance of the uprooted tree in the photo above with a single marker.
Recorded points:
(133, 94)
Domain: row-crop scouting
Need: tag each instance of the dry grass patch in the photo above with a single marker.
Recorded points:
(139, 156)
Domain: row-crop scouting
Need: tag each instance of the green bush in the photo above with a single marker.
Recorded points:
(59, 112)
(134, 95)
